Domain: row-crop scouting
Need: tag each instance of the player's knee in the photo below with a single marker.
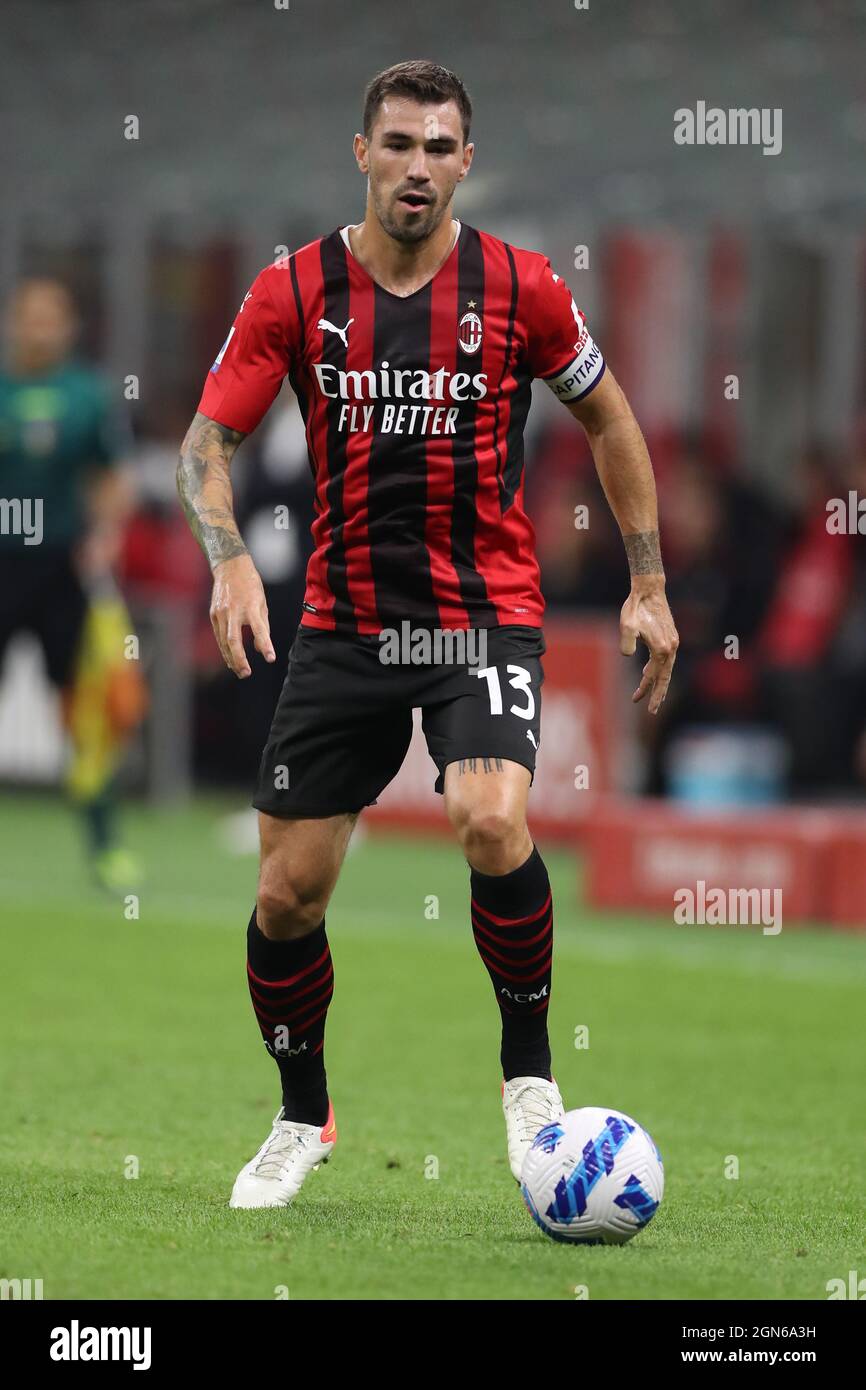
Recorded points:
(287, 909)
(489, 828)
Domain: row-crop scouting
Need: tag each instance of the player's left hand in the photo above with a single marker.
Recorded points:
(646, 614)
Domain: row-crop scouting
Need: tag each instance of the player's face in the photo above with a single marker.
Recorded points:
(40, 325)
(414, 159)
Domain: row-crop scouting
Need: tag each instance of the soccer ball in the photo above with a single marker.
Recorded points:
(594, 1177)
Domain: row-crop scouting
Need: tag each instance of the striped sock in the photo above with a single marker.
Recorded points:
(291, 984)
(512, 921)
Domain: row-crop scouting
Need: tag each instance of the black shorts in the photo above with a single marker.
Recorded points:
(40, 592)
(343, 721)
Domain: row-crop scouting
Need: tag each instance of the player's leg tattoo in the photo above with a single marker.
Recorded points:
(472, 765)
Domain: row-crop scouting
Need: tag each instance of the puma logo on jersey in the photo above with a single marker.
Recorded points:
(332, 328)
(531, 736)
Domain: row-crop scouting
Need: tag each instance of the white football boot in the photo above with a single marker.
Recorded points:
(291, 1151)
(529, 1103)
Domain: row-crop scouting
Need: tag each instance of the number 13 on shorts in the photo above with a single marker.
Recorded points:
(519, 679)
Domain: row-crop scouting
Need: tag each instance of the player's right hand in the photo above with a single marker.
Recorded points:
(238, 601)
(646, 614)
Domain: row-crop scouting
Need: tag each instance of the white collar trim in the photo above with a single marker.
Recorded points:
(344, 233)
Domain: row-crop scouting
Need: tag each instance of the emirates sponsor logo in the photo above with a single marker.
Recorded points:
(387, 383)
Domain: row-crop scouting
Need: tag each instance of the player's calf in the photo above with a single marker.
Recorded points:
(512, 922)
(511, 905)
(300, 862)
(291, 984)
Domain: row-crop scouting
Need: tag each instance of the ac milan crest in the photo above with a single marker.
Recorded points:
(469, 332)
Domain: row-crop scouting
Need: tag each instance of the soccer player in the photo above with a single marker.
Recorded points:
(64, 503)
(411, 341)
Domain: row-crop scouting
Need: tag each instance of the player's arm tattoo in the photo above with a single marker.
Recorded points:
(471, 765)
(644, 552)
(205, 488)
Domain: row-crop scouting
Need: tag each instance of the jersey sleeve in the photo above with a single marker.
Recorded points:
(252, 362)
(561, 351)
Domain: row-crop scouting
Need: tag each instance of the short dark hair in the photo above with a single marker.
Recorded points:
(422, 81)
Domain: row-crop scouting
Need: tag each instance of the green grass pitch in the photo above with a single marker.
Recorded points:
(130, 1044)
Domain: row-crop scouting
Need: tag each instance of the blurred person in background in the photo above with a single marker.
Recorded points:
(64, 504)
(792, 592)
(851, 640)
(722, 540)
(579, 545)
(812, 645)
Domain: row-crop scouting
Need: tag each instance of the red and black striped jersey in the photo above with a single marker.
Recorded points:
(414, 409)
